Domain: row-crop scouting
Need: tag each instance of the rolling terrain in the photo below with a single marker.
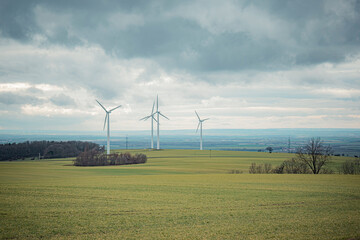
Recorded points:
(177, 194)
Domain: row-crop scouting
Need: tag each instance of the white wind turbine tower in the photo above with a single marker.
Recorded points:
(200, 124)
(107, 117)
(152, 124)
(158, 122)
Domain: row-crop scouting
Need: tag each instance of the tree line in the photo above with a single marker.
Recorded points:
(46, 149)
(98, 158)
(310, 158)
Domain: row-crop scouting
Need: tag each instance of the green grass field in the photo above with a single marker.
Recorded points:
(177, 194)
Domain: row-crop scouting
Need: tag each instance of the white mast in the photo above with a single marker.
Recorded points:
(108, 133)
(152, 124)
(152, 131)
(201, 136)
(157, 111)
(158, 121)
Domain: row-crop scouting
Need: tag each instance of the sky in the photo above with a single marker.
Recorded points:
(243, 64)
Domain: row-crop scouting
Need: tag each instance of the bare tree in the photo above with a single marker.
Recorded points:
(314, 154)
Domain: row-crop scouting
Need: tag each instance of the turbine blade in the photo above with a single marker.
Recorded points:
(153, 118)
(105, 121)
(205, 119)
(145, 118)
(152, 111)
(115, 108)
(197, 127)
(197, 115)
(164, 116)
(157, 103)
(101, 105)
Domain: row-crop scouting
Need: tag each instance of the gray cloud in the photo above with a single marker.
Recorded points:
(202, 36)
(7, 98)
(17, 19)
(251, 59)
(62, 100)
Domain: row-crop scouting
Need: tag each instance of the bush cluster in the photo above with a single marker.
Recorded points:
(235, 171)
(290, 166)
(96, 158)
(261, 168)
(351, 167)
(126, 158)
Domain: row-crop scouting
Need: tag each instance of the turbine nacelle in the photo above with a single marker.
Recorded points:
(107, 119)
(163, 115)
(107, 112)
(151, 115)
(200, 121)
(200, 125)
(105, 108)
(147, 117)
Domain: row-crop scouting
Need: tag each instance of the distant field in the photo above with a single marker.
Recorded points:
(178, 194)
(343, 141)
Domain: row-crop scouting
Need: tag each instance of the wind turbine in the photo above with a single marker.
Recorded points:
(158, 121)
(152, 124)
(107, 117)
(200, 124)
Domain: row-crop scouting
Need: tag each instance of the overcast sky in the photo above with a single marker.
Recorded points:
(243, 64)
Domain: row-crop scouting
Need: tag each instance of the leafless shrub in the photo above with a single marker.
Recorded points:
(267, 168)
(252, 168)
(294, 166)
(258, 168)
(351, 167)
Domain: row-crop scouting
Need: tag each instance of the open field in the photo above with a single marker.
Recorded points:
(178, 194)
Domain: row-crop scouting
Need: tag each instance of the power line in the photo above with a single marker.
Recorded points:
(126, 142)
(289, 145)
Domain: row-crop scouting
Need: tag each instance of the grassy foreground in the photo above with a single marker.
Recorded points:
(178, 194)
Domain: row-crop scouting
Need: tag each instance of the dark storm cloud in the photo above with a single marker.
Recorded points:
(17, 19)
(176, 36)
(320, 55)
(257, 63)
(325, 31)
(235, 51)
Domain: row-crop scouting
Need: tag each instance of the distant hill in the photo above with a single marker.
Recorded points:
(343, 141)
